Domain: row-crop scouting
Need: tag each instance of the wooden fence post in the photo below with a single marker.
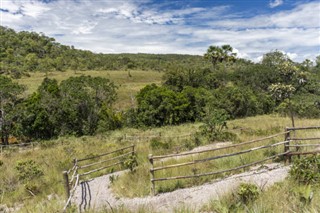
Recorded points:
(286, 145)
(66, 183)
(133, 151)
(153, 188)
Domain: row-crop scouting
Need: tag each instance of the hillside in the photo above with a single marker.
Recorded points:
(25, 52)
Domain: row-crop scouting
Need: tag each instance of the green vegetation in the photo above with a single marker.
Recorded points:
(25, 52)
(296, 194)
(77, 104)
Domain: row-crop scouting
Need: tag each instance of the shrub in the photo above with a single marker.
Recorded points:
(131, 163)
(248, 192)
(306, 170)
(155, 144)
(28, 170)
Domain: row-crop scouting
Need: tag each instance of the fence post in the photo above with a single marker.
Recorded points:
(66, 183)
(286, 145)
(153, 189)
(133, 150)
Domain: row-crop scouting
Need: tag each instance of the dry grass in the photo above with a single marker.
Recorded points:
(128, 87)
(56, 155)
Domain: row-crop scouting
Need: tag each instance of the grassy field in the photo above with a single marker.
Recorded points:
(52, 157)
(45, 192)
(128, 85)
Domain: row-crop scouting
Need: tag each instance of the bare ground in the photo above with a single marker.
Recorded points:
(97, 194)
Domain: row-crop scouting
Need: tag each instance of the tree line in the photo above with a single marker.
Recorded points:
(217, 86)
(24, 52)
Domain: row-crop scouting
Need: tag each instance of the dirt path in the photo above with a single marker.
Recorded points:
(96, 194)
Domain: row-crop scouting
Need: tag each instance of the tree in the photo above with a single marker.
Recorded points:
(292, 80)
(9, 97)
(158, 106)
(42, 118)
(218, 54)
(82, 99)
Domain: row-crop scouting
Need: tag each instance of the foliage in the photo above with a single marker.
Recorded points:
(79, 105)
(28, 170)
(24, 52)
(9, 98)
(218, 54)
(215, 123)
(306, 170)
(131, 163)
(248, 192)
(159, 106)
(157, 144)
(240, 101)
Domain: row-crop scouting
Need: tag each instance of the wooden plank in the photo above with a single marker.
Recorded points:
(215, 149)
(304, 153)
(103, 161)
(219, 172)
(303, 145)
(217, 157)
(99, 169)
(304, 139)
(303, 128)
(108, 153)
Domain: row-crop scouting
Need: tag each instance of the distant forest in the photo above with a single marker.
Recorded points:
(23, 52)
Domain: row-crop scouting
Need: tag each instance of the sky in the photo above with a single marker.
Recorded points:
(251, 27)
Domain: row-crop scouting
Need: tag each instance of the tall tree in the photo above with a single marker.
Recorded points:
(9, 97)
(218, 54)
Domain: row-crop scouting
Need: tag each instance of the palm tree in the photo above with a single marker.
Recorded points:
(220, 54)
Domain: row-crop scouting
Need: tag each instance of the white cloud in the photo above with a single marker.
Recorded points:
(304, 16)
(275, 3)
(130, 26)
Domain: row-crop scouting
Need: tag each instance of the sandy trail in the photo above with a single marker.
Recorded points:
(97, 193)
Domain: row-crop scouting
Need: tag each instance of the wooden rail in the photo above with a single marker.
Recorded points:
(299, 146)
(220, 148)
(287, 153)
(76, 176)
(222, 171)
(218, 157)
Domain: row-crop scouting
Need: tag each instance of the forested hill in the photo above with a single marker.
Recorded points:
(23, 52)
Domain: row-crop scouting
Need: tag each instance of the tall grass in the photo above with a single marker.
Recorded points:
(128, 86)
(54, 156)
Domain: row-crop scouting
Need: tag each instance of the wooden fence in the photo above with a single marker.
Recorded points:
(301, 148)
(30, 145)
(92, 164)
(286, 153)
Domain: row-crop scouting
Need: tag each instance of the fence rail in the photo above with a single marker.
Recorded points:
(287, 153)
(220, 148)
(75, 174)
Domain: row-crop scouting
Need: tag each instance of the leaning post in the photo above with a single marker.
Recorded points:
(66, 183)
(153, 188)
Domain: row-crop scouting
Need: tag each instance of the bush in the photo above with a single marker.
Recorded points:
(215, 124)
(248, 192)
(131, 163)
(28, 170)
(306, 170)
(156, 144)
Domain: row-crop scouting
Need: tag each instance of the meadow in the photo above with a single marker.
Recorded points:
(44, 192)
(129, 83)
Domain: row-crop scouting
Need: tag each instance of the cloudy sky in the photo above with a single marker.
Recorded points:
(252, 27)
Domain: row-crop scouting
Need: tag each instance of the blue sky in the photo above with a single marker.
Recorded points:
(252, 27)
